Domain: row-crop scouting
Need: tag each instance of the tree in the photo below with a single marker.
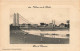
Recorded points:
(42, 23)
(67, 35)
(68, 21)
(68, 25)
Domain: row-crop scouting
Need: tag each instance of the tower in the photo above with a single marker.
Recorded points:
(17, 24)
(54, 23)
(14, 20)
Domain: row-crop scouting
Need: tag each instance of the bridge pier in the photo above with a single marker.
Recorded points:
(16, 19)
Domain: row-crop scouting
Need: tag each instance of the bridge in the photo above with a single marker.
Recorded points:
(17, 19)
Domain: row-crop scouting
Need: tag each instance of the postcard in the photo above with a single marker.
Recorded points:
(39, 25)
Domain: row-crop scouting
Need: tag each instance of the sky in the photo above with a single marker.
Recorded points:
(39, 15)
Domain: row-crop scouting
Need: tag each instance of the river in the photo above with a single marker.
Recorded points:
(61, 34)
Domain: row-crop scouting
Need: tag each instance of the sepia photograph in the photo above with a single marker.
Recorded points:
(39, 27)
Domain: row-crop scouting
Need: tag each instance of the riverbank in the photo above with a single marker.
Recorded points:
(18, 37)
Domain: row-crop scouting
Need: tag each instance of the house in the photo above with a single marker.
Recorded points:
(62, 25)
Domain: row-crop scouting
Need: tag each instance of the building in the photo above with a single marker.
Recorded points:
(50, 25)
(62, 25)
(34, 25)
